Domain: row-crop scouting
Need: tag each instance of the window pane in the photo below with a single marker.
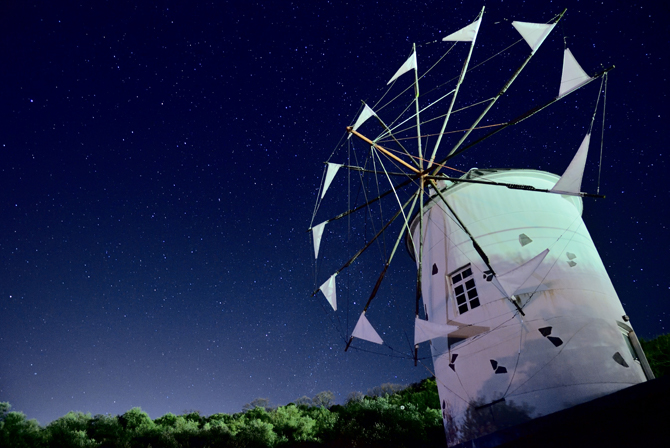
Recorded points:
(460, 299)
(470, 284)
(474, 303)
(467, 273)
(462, 309)
(456, 278)
(459, 290)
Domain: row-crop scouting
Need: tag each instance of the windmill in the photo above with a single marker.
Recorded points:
(512, 295)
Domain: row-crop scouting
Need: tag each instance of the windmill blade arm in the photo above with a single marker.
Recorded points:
(518, 119)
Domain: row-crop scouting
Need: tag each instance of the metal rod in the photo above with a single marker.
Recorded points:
(453, 99)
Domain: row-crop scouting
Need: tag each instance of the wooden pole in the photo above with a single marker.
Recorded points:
(386, 152)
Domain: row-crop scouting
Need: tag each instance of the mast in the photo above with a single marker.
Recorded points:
(453, 98)
(421, 188)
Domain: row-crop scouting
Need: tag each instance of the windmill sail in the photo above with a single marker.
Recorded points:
(571, 180)
(364, 330)
(410, 64)
(573, 76)
(466, 34)
(366, 113)
(330, 175)
(328, 289)
(317, 232)
(533, 33)
(510, 282)
(425, 330)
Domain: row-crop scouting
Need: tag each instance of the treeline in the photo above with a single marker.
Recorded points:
(386, 417)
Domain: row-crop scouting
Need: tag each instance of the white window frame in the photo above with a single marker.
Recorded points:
(464, 288)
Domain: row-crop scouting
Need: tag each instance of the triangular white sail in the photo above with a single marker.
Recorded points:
(467, 34)
(317, 231)
(533, 33)
(328, 289)
(409, 64)
(510, 282)
(366, 113)
(424, 330)
(573, 75)
(571, 180)
(364, 330)
(330, 175)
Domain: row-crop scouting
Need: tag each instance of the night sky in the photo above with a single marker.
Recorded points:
(161, 161)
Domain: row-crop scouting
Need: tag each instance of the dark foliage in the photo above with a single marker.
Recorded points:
(407, 418)
(658, 354)
(389, 416)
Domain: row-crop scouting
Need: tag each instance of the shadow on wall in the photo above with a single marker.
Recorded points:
(571, 354)
(481, 419)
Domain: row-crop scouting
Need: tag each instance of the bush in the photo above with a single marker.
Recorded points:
(658, 354)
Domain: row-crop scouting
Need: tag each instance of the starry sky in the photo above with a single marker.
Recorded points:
(161, 162)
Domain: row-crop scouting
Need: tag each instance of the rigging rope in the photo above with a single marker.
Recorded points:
(412, 85)
(444, 385)
(423, 159)
(549, 362)
(317, 204)
(395, 193)
(518, 356)
(602, 132)
(443, 133)
(381, 210)
(595, 109)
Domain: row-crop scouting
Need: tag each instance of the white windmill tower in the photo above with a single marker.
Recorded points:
(521, 316)
(547, 330)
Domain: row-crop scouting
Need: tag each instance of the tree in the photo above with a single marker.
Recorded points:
(70, 431)
(5, 407)
(355, 397)
(292, 426)
(106, 430)
(139, 429)
(169, 420)
(135, 419)
(325, 399)
(385, 389)
(256, 434)
(257, 403)
(304, 401)
(16, 431)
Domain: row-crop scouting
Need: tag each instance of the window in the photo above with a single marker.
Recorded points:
(633, 344)
(625, 333)
(464, 289)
